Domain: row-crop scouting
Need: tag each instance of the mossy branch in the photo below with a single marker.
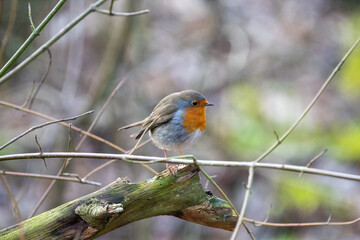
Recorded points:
(120, 203)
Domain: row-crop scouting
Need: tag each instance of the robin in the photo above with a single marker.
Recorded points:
(176, 122)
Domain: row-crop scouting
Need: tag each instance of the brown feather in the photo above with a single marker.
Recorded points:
(162, 113)
(139, 123)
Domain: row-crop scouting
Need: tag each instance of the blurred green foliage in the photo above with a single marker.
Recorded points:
(350, 72)
(303, 195)
(346, 142)
(247, 132)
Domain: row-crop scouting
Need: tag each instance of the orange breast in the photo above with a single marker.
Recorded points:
(195, 118)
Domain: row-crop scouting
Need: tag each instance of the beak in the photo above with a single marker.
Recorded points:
(208, 104)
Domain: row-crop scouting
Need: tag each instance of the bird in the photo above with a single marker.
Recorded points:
(176, 122)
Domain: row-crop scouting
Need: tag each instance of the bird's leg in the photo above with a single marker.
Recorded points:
(181, 153)
(167, 165)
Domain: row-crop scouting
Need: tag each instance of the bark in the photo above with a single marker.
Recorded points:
(178, 194)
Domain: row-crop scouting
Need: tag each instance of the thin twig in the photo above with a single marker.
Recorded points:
(52, 183)
(108, 100)
(41, 151)
(69, 139)
(277, 136)
(244, 205)
(142, 135)
(224, 195)
(42, 79)
(122, 14)
(137, 145)
(47, 191)
(313, 160)
(14, 205)
(9, 28)
(7, 104)
(307, 109)
(49, 177)
(219, 189)
(248, 230)
(96, 118)
(310, 224)
(40, 126)
(30, 18)
(34, 128)
(111, 7)
(32, 36)
(99, 168)
(66, 161)
(50, 42)
(267, 215)
(186, 160)
(216, 186)
(29, 94)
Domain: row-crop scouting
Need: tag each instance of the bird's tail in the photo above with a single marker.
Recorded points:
(132, 125)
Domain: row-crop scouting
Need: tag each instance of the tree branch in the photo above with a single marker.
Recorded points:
(179, 194)
(185, 159)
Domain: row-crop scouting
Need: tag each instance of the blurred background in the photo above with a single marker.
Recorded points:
(261, 62)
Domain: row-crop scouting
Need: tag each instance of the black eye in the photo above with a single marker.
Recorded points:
(194, 103)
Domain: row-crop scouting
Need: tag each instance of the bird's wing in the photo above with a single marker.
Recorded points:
(160, 115)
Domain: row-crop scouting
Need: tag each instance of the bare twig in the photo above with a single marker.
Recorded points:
(49, 43)
(142, 135)
(307, 109)
(66, 161)
(47, 191)
(111, 7)
(32, 36)
(69, 139)
(3, 103)
(277, 136)
(310, 224)
(41, 151)
(49, 177)
(244, 205)
(52, 183)
(99, 168)
(216, 185)
(108, 100)
(122, 14)
(29, 95)
(14, 205)
(30, 18)
(138, 146)
(248, 231)
(40, 126)
(93, 124)
(224, 195)
(42, 79)
(10, 26)
(32, 129)
(313, 160)
(188, 159)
